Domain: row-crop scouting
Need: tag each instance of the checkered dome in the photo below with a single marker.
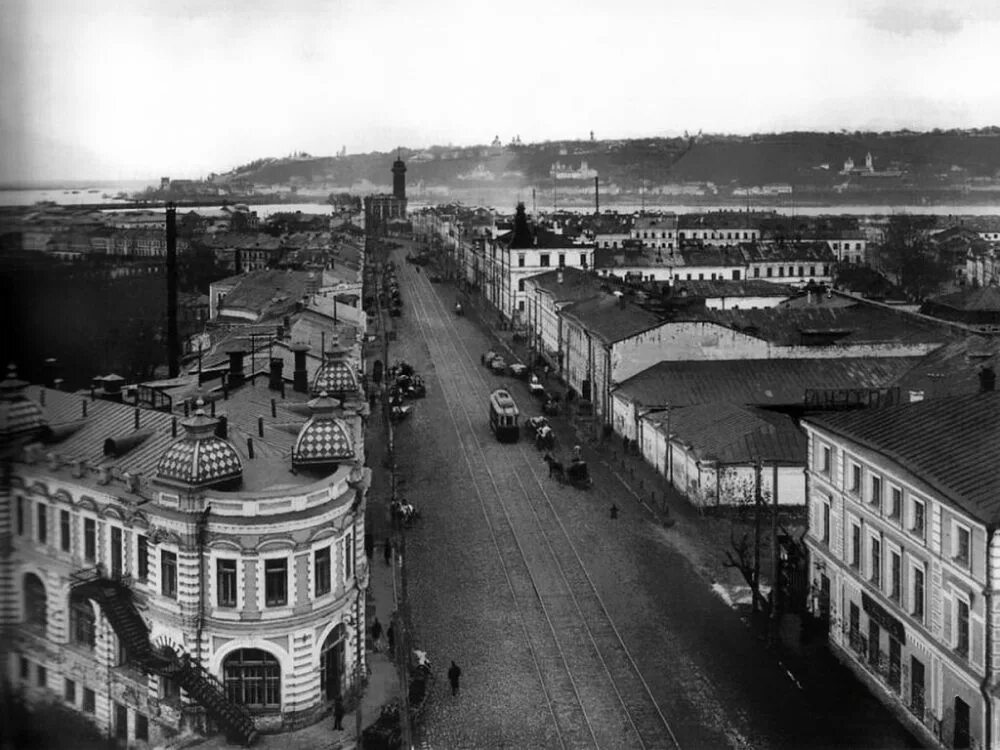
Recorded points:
(324, 439)
(200, 458)
(335, 377)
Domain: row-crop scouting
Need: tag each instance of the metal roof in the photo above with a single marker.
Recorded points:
(764, 382)
(951, 443)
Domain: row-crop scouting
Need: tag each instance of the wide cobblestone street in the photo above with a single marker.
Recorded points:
(573, 629)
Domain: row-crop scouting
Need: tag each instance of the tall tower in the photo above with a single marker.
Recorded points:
(399, 178)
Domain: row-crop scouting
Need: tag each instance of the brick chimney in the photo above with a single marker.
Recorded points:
(274, 381)
(987, 380)
(236, 374)
(300, 376)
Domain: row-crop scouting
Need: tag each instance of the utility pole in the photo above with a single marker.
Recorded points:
(758, 501)
(775, 560)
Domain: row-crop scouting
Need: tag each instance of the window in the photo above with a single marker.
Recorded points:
(321, 568)
(41, 676)
(756, 272)
(168, 573)
(69, 691)
(65, 540)
(520, 260)
(225, 581)
(142, 553)
(895, 575)
(961, 553)
(520, 285)
(876, 491)
(25, 668)
(89, 539)
(562, 260)
(81, 621)
(520, 305)
(826, 522)
(824, 459)
(141, 727)
(962, 627)
(43, 526)
(895, 502)
(583, 260)
(855, 485)
(856, 546)
(781, 271)
(802, 271)
(276, 582)
(252, 677)
(89, 701)
(875, 573)
(812, 270)
(543, 260)
(917, 526)
(20, 516)
(770, 272)
(917, 604)
(349, 557)
(35, 606)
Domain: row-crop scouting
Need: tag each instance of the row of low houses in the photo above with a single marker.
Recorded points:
(188, 555)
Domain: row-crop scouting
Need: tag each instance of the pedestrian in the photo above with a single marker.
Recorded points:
(391, 635)
(376, 634)
(388, 551)
(453, 674)
(546, 373)
(338, 713)
(614, 511)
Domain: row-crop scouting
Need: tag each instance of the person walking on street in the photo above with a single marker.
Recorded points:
(391, 635)
(454, 672)
(338, 713)
(376, 634)
(388, 551)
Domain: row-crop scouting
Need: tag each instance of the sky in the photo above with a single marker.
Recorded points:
(134, 89)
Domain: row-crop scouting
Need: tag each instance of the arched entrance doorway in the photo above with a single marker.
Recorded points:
(332, 667)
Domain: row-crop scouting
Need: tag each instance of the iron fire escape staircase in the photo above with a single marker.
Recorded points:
(115, 600)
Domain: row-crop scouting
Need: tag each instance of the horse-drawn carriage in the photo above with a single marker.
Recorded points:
(577, 474)
(539, 429)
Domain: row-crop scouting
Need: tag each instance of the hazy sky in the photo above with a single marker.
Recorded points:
(136, 89)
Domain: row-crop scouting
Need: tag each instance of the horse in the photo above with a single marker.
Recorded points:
(556, 468)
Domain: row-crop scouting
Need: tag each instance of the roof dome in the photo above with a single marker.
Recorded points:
(336, 377)
(20, 417)
(324, 439)
(200, 458)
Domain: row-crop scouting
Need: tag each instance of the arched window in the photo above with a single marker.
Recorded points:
(35, 610)
(253, 678)
(82, 624)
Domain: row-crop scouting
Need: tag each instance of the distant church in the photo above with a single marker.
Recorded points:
(384, 208)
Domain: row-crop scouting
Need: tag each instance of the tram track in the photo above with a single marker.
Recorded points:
(596, 661)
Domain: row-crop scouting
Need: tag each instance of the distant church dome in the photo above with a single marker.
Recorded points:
(20, 417)
(200, 458)
(324, 439)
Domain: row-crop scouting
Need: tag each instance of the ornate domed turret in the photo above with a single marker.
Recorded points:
(336, 377)
(200, 458)
(20, 417)
(324, 439)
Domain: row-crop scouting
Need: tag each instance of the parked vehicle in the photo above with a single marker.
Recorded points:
(498, 365)
(535, 387)
(518, 370)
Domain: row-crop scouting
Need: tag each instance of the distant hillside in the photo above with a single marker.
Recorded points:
(807, 162)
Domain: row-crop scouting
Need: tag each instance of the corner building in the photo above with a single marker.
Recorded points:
(905, 560)
(172, 573)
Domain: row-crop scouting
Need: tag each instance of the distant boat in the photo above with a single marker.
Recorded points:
(76, 192)
(91, 191)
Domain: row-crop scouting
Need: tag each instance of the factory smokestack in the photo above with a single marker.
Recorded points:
(173, 340)
(597, 197)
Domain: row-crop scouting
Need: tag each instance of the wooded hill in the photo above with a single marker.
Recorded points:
(934, 160)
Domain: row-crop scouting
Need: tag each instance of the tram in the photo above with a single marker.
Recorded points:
(504, 416)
